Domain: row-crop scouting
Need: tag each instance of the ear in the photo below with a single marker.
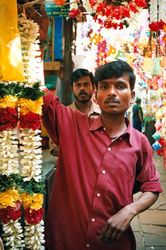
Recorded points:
(132, 97)
(95, 94)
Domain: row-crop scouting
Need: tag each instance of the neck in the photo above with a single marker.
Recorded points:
(115, 125)
(83, 107)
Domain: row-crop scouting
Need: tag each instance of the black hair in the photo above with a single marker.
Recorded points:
(75, 76)
(115, 69)
(138, 100)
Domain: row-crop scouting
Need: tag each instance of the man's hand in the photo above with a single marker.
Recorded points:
(117, 225)
(120, 221)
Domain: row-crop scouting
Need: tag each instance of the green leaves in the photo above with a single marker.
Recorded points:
(21, 91)
(17, 182)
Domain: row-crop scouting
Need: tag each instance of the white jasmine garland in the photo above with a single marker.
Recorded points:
(162, 10)
(73, 4)
(13, 235)
(30, 155)
(34, 236)
(29, 32)
(9, 162)
(157, 10)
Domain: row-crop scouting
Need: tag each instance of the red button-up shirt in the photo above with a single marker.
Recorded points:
(94, 178)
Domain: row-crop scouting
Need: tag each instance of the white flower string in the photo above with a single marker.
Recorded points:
(153, 10)
(13, 235)
(34, 236)
(29, 32)
(162, 10)
(157, 10)
(9, 152)
(30, 154)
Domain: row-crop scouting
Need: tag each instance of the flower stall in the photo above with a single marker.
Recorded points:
(21, 186)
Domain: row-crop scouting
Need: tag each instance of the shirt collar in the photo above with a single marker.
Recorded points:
(97, 124)
(94, 108)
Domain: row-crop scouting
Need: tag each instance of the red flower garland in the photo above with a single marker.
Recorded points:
(157, 26)
(30, 121)
(114, 14)
(33, 216)
(10, 213)
(8, 118)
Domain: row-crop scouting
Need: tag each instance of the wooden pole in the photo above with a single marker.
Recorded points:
(68, 65)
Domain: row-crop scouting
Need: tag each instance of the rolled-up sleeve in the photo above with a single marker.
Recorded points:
(148, 176)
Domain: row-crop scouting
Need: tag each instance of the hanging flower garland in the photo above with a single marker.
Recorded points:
(157, 11)
(21, 194)
(110, 13)
(30, 109)
(10, 212)
(32, 200)
(157, 24)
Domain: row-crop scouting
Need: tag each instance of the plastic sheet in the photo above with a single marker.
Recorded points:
(11, 65)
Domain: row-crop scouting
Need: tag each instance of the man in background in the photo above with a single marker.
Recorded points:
(137, 116)
(82, 84)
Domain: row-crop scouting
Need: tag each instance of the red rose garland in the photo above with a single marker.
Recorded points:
(10, 213)
(8, 118)
(111, 14)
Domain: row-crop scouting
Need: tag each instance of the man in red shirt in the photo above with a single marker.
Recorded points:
(92, 205)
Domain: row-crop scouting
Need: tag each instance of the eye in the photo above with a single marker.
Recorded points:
(77, 85)
(121, 86)
(103, 86)
(86, 84)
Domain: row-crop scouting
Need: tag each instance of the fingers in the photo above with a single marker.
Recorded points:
(110, 234)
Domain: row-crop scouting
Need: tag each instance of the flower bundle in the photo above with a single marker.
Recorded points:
(32, 201)
(21, 194)
(18, 197)
(110, 13)
(157, 15)
(10, 212)
(8, 130)
(29, 33)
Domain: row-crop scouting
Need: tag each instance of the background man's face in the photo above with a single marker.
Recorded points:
(83, 89)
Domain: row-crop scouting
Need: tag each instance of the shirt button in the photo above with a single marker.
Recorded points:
(93, 219)
(98, 194)
(87, 245)
(109, 149)
(103, 172)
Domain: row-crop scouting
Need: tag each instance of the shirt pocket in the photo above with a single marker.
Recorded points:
(121, 187)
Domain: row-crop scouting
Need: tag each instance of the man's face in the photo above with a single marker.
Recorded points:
(83, 89)
(114, 95)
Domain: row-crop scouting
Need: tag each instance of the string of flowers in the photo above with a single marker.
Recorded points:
(10, 213)
(10, 204)
(31, 164)
(29, 33)
(15, 192)
(10, 201)
(30, 103)
(114, 14)
(20, 120)
(33, 213)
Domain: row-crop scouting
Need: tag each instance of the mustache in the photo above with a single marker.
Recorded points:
(111, 100)
(82, 92)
